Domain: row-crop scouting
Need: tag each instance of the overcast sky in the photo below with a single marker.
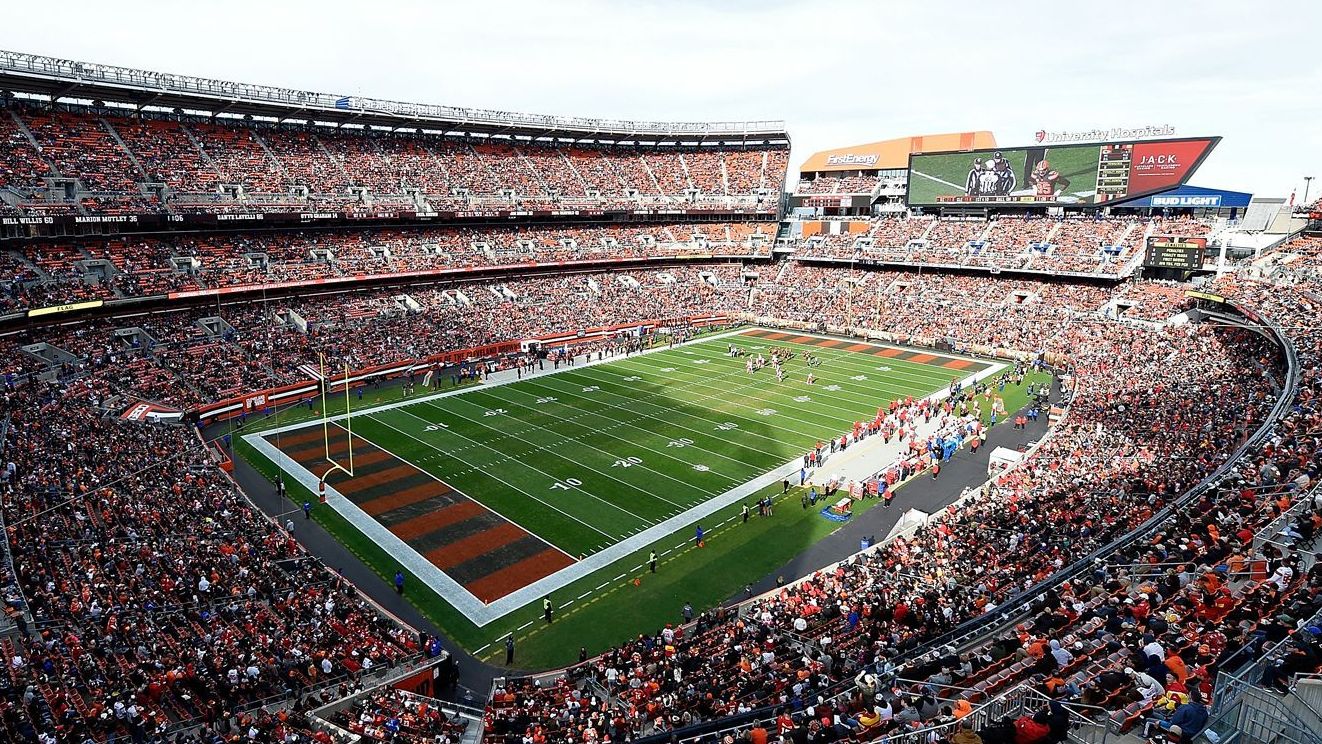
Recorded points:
(837, 72)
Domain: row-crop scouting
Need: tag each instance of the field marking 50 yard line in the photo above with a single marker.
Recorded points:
(901, 369)
(724, 395)
(851, 390)
(545, 384)
(868, 392)
(815, 430)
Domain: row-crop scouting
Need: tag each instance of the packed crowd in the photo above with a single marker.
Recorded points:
(47, 273)
(395, 716)
(179, 362)
(111, 154)
(1054, 245)
(176, 360)
(158, 593)
(968, 311)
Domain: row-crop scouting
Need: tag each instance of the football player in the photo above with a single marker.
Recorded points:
(1048, 183)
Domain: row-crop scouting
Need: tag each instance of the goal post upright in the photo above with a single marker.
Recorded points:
(348, 416)
(326, 390)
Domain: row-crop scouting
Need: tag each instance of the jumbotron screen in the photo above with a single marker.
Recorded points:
(1096, 173)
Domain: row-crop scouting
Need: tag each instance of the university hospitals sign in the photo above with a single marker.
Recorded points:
(1114, 133)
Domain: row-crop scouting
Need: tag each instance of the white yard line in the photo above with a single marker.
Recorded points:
(939, 180)
(706, 433)
(604, 430)
(549, 450)
(490, 383)
(520, 490)
(764, 380)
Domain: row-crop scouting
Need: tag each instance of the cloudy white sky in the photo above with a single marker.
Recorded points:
(838, 72)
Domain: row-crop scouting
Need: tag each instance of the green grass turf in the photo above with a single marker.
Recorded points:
(553, 454)
(735, 555)
(1078, 163)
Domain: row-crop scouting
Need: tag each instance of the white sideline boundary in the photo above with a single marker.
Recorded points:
(481, 613)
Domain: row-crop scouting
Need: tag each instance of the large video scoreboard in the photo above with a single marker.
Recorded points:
(1098, 173)
(1168, 252)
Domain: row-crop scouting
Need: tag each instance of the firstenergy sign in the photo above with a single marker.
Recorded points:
(850, 158)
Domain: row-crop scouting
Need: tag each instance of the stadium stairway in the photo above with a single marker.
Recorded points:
(114, 135)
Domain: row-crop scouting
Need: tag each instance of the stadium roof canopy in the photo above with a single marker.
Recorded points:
(893, 154)
(1191, 197)
(61, 79)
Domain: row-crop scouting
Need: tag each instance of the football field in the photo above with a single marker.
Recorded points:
(496, 494)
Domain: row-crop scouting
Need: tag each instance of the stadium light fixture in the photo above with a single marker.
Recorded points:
(1308, 181)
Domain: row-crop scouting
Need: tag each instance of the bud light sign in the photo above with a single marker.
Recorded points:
(1188, 201)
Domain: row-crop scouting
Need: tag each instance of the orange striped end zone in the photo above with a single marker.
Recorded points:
(481, 550)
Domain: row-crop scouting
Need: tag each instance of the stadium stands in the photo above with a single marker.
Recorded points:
(46, 273)
(843, 185)
(225, 167)
(1105, 247)
(160, 594)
